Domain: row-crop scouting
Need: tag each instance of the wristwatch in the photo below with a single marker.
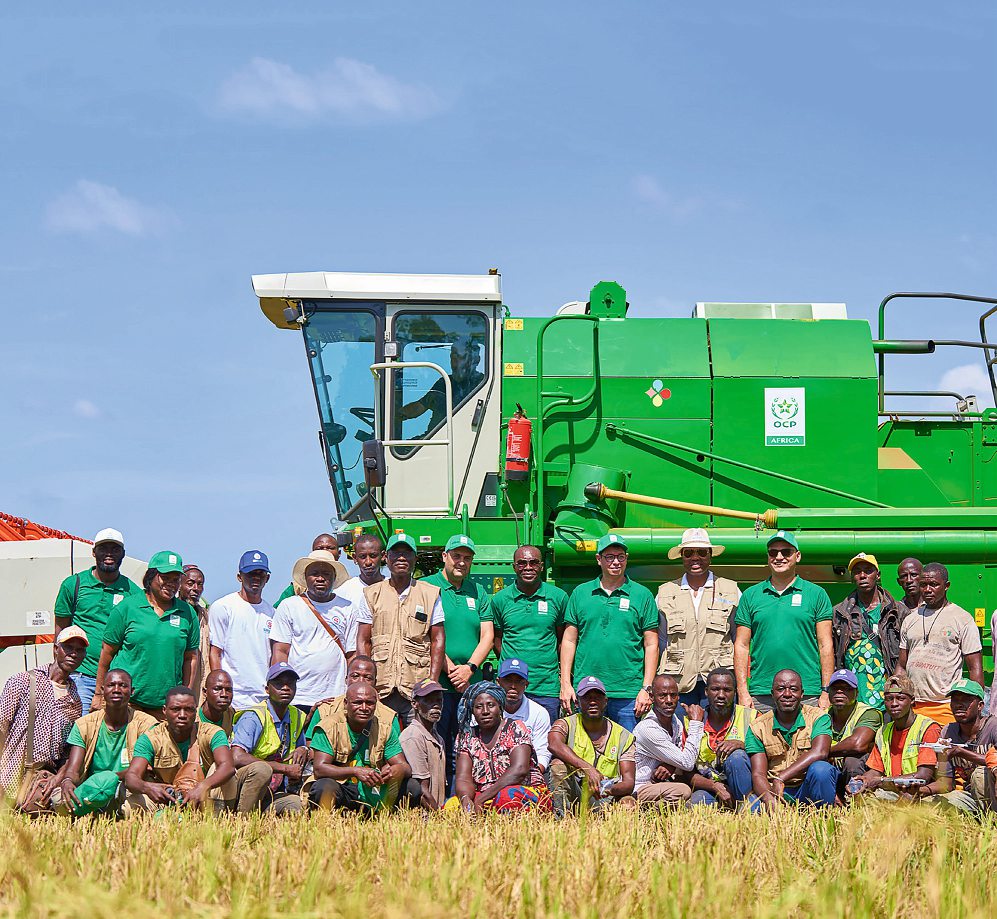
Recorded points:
(474, 668)
(647, 689)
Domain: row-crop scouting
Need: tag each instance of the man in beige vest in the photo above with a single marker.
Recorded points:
(400, 625)
(696, 618)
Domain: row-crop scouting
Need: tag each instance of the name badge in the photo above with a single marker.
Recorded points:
(624, 604)
(175, 621)
(472, 603)
(797, 599)
(117, 599)
(541, 606)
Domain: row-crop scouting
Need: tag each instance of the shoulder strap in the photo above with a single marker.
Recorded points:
(325, 625)
(29, 745)
(194, 750)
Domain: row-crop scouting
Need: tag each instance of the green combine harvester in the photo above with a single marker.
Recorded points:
(442, 412)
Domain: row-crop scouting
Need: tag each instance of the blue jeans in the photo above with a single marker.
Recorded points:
(550, 704)
(736, 776)
(818, 788)
(622, 712)
(86, 686)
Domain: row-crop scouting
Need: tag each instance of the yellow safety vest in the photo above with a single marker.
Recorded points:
(269, 740)
(908, 759)
(738, 730)
(607, 762)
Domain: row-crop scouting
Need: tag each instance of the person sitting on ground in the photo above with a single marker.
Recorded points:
(216, 707)
(496, 764)
(723, 768)
(179, 742)
(590, 751)
(37, 711)
(357, 757)
(101, 745)
(853, 727)
(423, 745)
(514, 677)
(789, 747)
(361, 669)
(903, 752)
(268, 748)
(666, 752)
(962, 778)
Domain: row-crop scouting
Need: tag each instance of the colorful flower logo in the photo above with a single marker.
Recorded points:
(658, 393)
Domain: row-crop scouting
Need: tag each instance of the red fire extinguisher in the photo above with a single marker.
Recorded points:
(517, 446)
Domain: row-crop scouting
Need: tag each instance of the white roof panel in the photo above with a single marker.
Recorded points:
(351, 285)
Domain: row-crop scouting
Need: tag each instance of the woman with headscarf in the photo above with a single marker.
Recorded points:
(496, 764)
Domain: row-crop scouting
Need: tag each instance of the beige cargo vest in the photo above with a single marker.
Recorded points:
(399, 634)
(695, 644)
(89, 728)
(167, 754)
(780, 754)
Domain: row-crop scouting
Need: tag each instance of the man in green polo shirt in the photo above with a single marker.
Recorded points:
(467, 612)
(529, 622)
(784, 622)
(153, 636)
(611, 632)
(86, 599)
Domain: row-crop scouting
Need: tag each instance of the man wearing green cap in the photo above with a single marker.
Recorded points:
(783, 623)
(401, 626)
(152, 636)
(467, 612)
(611, 632)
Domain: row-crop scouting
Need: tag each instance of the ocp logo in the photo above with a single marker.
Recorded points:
(784, 409)
(658, 393)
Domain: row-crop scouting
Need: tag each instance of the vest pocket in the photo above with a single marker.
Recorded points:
(416, 654)
(379, 648)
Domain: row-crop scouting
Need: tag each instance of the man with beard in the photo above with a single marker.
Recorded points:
(423, 745)
(86, 599)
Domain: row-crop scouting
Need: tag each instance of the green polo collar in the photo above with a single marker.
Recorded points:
(466, 589)
(623, 589)
(799, 723)
(540, 592)
(175, 609)
(768, 588)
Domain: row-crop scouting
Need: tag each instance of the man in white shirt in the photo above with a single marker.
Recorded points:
(666, 753)
(514, 677)
(368, 553)
(316, 631)
(239, 625)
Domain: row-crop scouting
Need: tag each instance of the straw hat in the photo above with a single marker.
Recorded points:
(695, 538)
(326, 558)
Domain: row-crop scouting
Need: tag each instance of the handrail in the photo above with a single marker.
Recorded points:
(563, 398)
(391, 366)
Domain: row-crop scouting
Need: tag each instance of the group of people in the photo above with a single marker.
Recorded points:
(388, 690)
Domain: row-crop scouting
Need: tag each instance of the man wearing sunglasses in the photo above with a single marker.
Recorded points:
(784, 623)
(696, 621)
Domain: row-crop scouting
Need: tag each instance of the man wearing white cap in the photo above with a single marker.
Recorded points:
(86, 599)
(696, 617)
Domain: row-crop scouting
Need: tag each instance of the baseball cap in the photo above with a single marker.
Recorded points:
(610, 539)
(277, 669)
(402, 539)
(588, 684)
(254, 560)
(784, 536)
(69, 633)
(844, 676)
(166, 562)
(866, 557)
(967, 688)
(425, 687)
(455, 542)
(109, 535)
(513, 666)
(900, 684)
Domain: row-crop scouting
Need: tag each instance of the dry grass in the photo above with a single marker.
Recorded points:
(875, 861)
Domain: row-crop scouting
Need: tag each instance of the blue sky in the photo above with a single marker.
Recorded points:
(153, 161)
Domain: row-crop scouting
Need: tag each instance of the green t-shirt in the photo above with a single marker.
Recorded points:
(201, 716)
(94, 603)
(464, 609)
(784, 632)
(368, 795)
(109, 754)
(872, 718)
(821, 728)
(143, 746)
(529, 627)
(288, 592)
(150, 647)
(611, 634)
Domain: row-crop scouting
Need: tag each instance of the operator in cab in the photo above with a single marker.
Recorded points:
(465, 377)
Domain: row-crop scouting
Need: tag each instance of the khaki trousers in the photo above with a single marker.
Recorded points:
(664, 793)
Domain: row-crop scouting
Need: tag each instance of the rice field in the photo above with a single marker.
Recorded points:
(873, 861)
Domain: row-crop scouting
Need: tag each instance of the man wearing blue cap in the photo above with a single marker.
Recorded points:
(852, 725)
(783, 623)
(514, 677)
(239, 625)
(611, 632)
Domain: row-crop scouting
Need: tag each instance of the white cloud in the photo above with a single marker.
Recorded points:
(348, 90)
(648, 189)
(91, 207)
(84, 408)
(968, 380)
